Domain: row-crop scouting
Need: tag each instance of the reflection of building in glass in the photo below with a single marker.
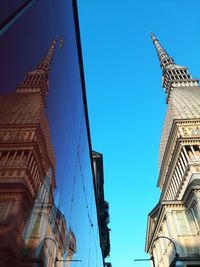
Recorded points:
(177, 215)
(102, 205)
(28, 213)
(71, 247)
(48, 206)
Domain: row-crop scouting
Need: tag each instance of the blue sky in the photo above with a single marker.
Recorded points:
(127, 103)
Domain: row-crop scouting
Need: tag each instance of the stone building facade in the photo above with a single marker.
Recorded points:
(174, 224)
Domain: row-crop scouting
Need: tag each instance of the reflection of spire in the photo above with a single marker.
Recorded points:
(164, 58)
(46, 61)
(174, 76)
(37, 80)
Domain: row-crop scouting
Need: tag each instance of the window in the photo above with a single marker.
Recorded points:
(182, 224)
(5, 209)
(196, 212)
(195, 131)
(34, 225)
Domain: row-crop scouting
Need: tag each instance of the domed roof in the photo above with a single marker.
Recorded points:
(184, 103)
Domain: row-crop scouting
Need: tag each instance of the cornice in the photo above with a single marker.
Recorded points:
(190, 195)
(175, 141)
(28, 137)
(160, 218)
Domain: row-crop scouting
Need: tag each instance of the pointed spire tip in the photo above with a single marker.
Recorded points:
(55, 39)
(153, 36)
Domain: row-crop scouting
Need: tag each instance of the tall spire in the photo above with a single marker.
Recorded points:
(37, 80)
(173, 74)
(46, 61)
(164, 58)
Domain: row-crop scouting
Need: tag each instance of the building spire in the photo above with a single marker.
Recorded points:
(164, 58)
(46, 61)
(37, 80)
(173, 75)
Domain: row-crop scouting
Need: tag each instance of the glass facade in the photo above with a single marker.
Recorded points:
(48, 210)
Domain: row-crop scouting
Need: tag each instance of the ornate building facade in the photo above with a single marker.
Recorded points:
(29, 217)
(49, 211)
(173, 228)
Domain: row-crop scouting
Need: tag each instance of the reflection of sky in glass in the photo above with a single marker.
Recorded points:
(22, 47)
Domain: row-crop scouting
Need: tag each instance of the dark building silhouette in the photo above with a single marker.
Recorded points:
(102, 205)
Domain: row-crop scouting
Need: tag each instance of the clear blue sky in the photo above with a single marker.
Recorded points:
(127, 103)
